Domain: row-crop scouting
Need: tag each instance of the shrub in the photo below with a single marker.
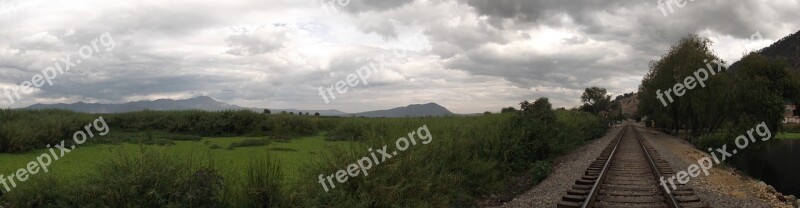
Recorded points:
(541, 169)
(791, 127)
(348, 131)
(713, 140)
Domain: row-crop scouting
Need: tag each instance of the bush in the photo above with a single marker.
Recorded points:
(348, 131)
(791, 127)
(541, 169)
(713, 140)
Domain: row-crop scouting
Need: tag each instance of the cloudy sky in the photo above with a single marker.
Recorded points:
(467, 55)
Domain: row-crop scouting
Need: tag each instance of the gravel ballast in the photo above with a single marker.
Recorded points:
(722, 188)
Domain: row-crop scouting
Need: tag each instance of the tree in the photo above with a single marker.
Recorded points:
(508, 110)
(267, 111)
(316, 114)
(597, 99)
(487, 113)
(700, 110)
(763, 86)
(540, 109)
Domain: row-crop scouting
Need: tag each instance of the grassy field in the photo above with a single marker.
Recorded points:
(468, 158)
(788, 136)
(293, 155)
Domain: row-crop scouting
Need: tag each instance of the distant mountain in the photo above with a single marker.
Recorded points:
(209, 104)
(787, 47)
(416, 110)
(198, 103)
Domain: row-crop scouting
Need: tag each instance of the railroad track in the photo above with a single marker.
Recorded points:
(627, 175)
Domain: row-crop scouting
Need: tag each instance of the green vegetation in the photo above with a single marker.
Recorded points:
(788, 136)
(249, 143)
(152, 159)
(724, 105)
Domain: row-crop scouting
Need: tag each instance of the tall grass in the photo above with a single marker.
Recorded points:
(468, 157)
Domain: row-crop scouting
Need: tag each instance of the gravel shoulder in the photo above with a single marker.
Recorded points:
(568, 168)
(723, 187)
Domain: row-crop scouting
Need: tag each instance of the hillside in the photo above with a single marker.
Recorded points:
(787, 48)
(416, 110)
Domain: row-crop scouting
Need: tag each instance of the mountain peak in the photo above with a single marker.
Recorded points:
(203, 98)
(413, 110)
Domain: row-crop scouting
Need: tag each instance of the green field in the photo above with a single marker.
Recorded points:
(468, 158)
(788, 136)
(82, 161)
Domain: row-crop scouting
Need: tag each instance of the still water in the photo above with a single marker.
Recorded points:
(777, 163)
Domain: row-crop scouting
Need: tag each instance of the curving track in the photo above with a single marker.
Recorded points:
(627, 175)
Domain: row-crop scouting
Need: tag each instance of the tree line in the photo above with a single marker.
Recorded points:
(733, 99)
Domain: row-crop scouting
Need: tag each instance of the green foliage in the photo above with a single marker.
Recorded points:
(713, 141)
(541, 169)
(508, 110)
(596, 100)
(754, 93)
(350, 130)
(540, 109)
(467, 157)
(25, 130)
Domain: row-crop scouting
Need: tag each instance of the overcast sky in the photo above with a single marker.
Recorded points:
(466, 55)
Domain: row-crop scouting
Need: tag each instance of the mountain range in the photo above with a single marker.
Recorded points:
(210, 104)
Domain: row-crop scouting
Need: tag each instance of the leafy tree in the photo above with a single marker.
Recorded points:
(316, 114)
(597, 99)
(267, 111)
(541, 109)
(508, 110)
(700, 110)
